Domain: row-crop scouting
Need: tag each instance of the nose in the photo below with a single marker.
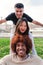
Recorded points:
(20, 47)
(18, 12)
(23, 27)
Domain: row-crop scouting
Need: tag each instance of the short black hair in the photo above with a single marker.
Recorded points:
(19, 5)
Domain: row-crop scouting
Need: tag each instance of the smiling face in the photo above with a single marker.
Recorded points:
(21, 45)
(23, 27)
(21, 49)
(19, 12)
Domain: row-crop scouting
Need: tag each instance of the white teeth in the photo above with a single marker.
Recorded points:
(21, 50)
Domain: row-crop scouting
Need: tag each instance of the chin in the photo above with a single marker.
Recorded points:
(22, 32)
(19, 17)
(21, 56)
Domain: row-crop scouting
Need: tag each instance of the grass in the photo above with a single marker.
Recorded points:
(39, 46)
(5, 46)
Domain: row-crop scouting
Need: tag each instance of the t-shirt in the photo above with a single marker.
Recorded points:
(14, 19)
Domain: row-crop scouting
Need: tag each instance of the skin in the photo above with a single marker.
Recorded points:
(21, 49)
(19, 13)
(22, 27)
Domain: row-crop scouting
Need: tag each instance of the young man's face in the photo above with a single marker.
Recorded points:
(21, 49)
(19, 12)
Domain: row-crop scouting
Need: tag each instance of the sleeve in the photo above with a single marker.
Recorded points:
(4, 60)
(9, 17)
(39, 60)
(28, 18)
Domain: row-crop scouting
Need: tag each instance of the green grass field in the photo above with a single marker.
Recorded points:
(5, 46)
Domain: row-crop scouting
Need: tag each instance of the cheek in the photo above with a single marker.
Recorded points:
(20, 28)
(25, 48)
(17, 49)
(25, 27)
(21, 13)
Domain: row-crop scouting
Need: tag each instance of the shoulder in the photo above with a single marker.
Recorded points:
(24, 14)
(12, 13)
(37, 59)
(28, 17)
(5, 58)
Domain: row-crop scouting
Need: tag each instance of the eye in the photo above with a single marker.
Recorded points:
(16, 11)
(18, 45)
(20, 24)
(20, 11)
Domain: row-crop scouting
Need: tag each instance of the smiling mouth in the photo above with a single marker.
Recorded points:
(21, 51)
(22, 30)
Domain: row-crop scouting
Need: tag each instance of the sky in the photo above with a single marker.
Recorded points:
(34, 8)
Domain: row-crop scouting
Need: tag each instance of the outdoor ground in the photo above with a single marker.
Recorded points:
(5, 46)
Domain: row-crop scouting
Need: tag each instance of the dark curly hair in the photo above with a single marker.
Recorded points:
(25, 40)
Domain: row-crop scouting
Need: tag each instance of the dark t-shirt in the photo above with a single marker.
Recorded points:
(14, 19)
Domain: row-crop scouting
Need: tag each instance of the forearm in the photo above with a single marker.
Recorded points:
(37, 23)
(2, 21)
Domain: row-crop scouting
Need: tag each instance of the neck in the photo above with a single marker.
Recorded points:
(22, 58)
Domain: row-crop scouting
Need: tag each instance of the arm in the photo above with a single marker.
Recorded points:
(2, 61)
(33, 21)
(33, 46)
(37, 23)
(2, 21)
(5, 60)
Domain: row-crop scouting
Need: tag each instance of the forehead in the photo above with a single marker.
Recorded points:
(19, 9)
(20, 43)
(23, 22)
